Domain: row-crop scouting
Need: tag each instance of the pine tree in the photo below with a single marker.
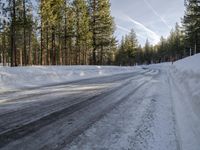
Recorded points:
(147, 49)
(93, 27)
(105, 27)
(128, 49)
(70, 35)
(2, 32)
(12, 5)
(51, 17)
(82, 32)
(191, 23)
(24, 32)
(120, 53)
(102, 28)
(65, 52)
(63, 32)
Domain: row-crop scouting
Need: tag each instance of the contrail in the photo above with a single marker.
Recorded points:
(146, 32)
(127, 30)
(156, 13)
(123, 28)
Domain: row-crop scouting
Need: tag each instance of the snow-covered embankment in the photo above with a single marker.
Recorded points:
(187, 73)
(185, 87)
(22, 77)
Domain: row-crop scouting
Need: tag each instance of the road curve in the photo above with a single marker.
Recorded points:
(51, 117)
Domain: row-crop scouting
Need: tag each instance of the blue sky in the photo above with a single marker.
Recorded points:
(149, 18)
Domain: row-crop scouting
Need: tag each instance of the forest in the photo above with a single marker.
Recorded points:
(81, 32)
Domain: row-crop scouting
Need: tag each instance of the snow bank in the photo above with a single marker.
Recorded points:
(187, 73)
(189, 64)
(20, 77)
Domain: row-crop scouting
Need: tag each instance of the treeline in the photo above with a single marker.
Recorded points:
(170, 49)
(59, 32)
(81, 32)
(183, 41)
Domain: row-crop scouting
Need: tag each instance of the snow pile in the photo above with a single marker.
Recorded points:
(187, 74)
(20, 77)
(189, 64)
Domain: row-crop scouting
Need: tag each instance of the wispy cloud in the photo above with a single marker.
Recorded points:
(143, 31)
(128, 31)
(123, 28)
(157, 14)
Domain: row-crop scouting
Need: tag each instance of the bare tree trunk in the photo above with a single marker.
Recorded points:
(83, 55)
(19, 56)
(24, 30)
(13, 34)
(53, 47)
(36, 57)
(94, 33)
(65, 39)
(47, 46)
(1, 50)
(41, 46)
(101, 59)
(70, 52)
(41, 38)
(4, 48)
(30, 49)
(195, 44)
(60, 50)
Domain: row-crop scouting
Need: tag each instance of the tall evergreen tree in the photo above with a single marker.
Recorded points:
(147, 49)
(191, 23)
(12, 7)
(82, 32)
(128, 49)
(63, 32)
(102, 28)
(51, 16)
(105, 27)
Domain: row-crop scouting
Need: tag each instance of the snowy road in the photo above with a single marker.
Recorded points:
(133, 111)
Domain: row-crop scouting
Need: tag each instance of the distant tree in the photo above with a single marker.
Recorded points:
(147, 50)
(128, 49)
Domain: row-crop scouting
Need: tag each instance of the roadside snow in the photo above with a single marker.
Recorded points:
(163, 113)
(185, 87)
(189, 64)
(22, 77)
(187, 73)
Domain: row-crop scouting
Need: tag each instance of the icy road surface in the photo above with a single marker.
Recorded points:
(130, 111)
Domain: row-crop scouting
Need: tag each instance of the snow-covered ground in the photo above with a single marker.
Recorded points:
(187, 74)
(154, 107)
(189, 64)
(22, 77)
(164, 114)
(185, 87)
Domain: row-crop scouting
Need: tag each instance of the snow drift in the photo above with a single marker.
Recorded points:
(187, 74)
(22, 77)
